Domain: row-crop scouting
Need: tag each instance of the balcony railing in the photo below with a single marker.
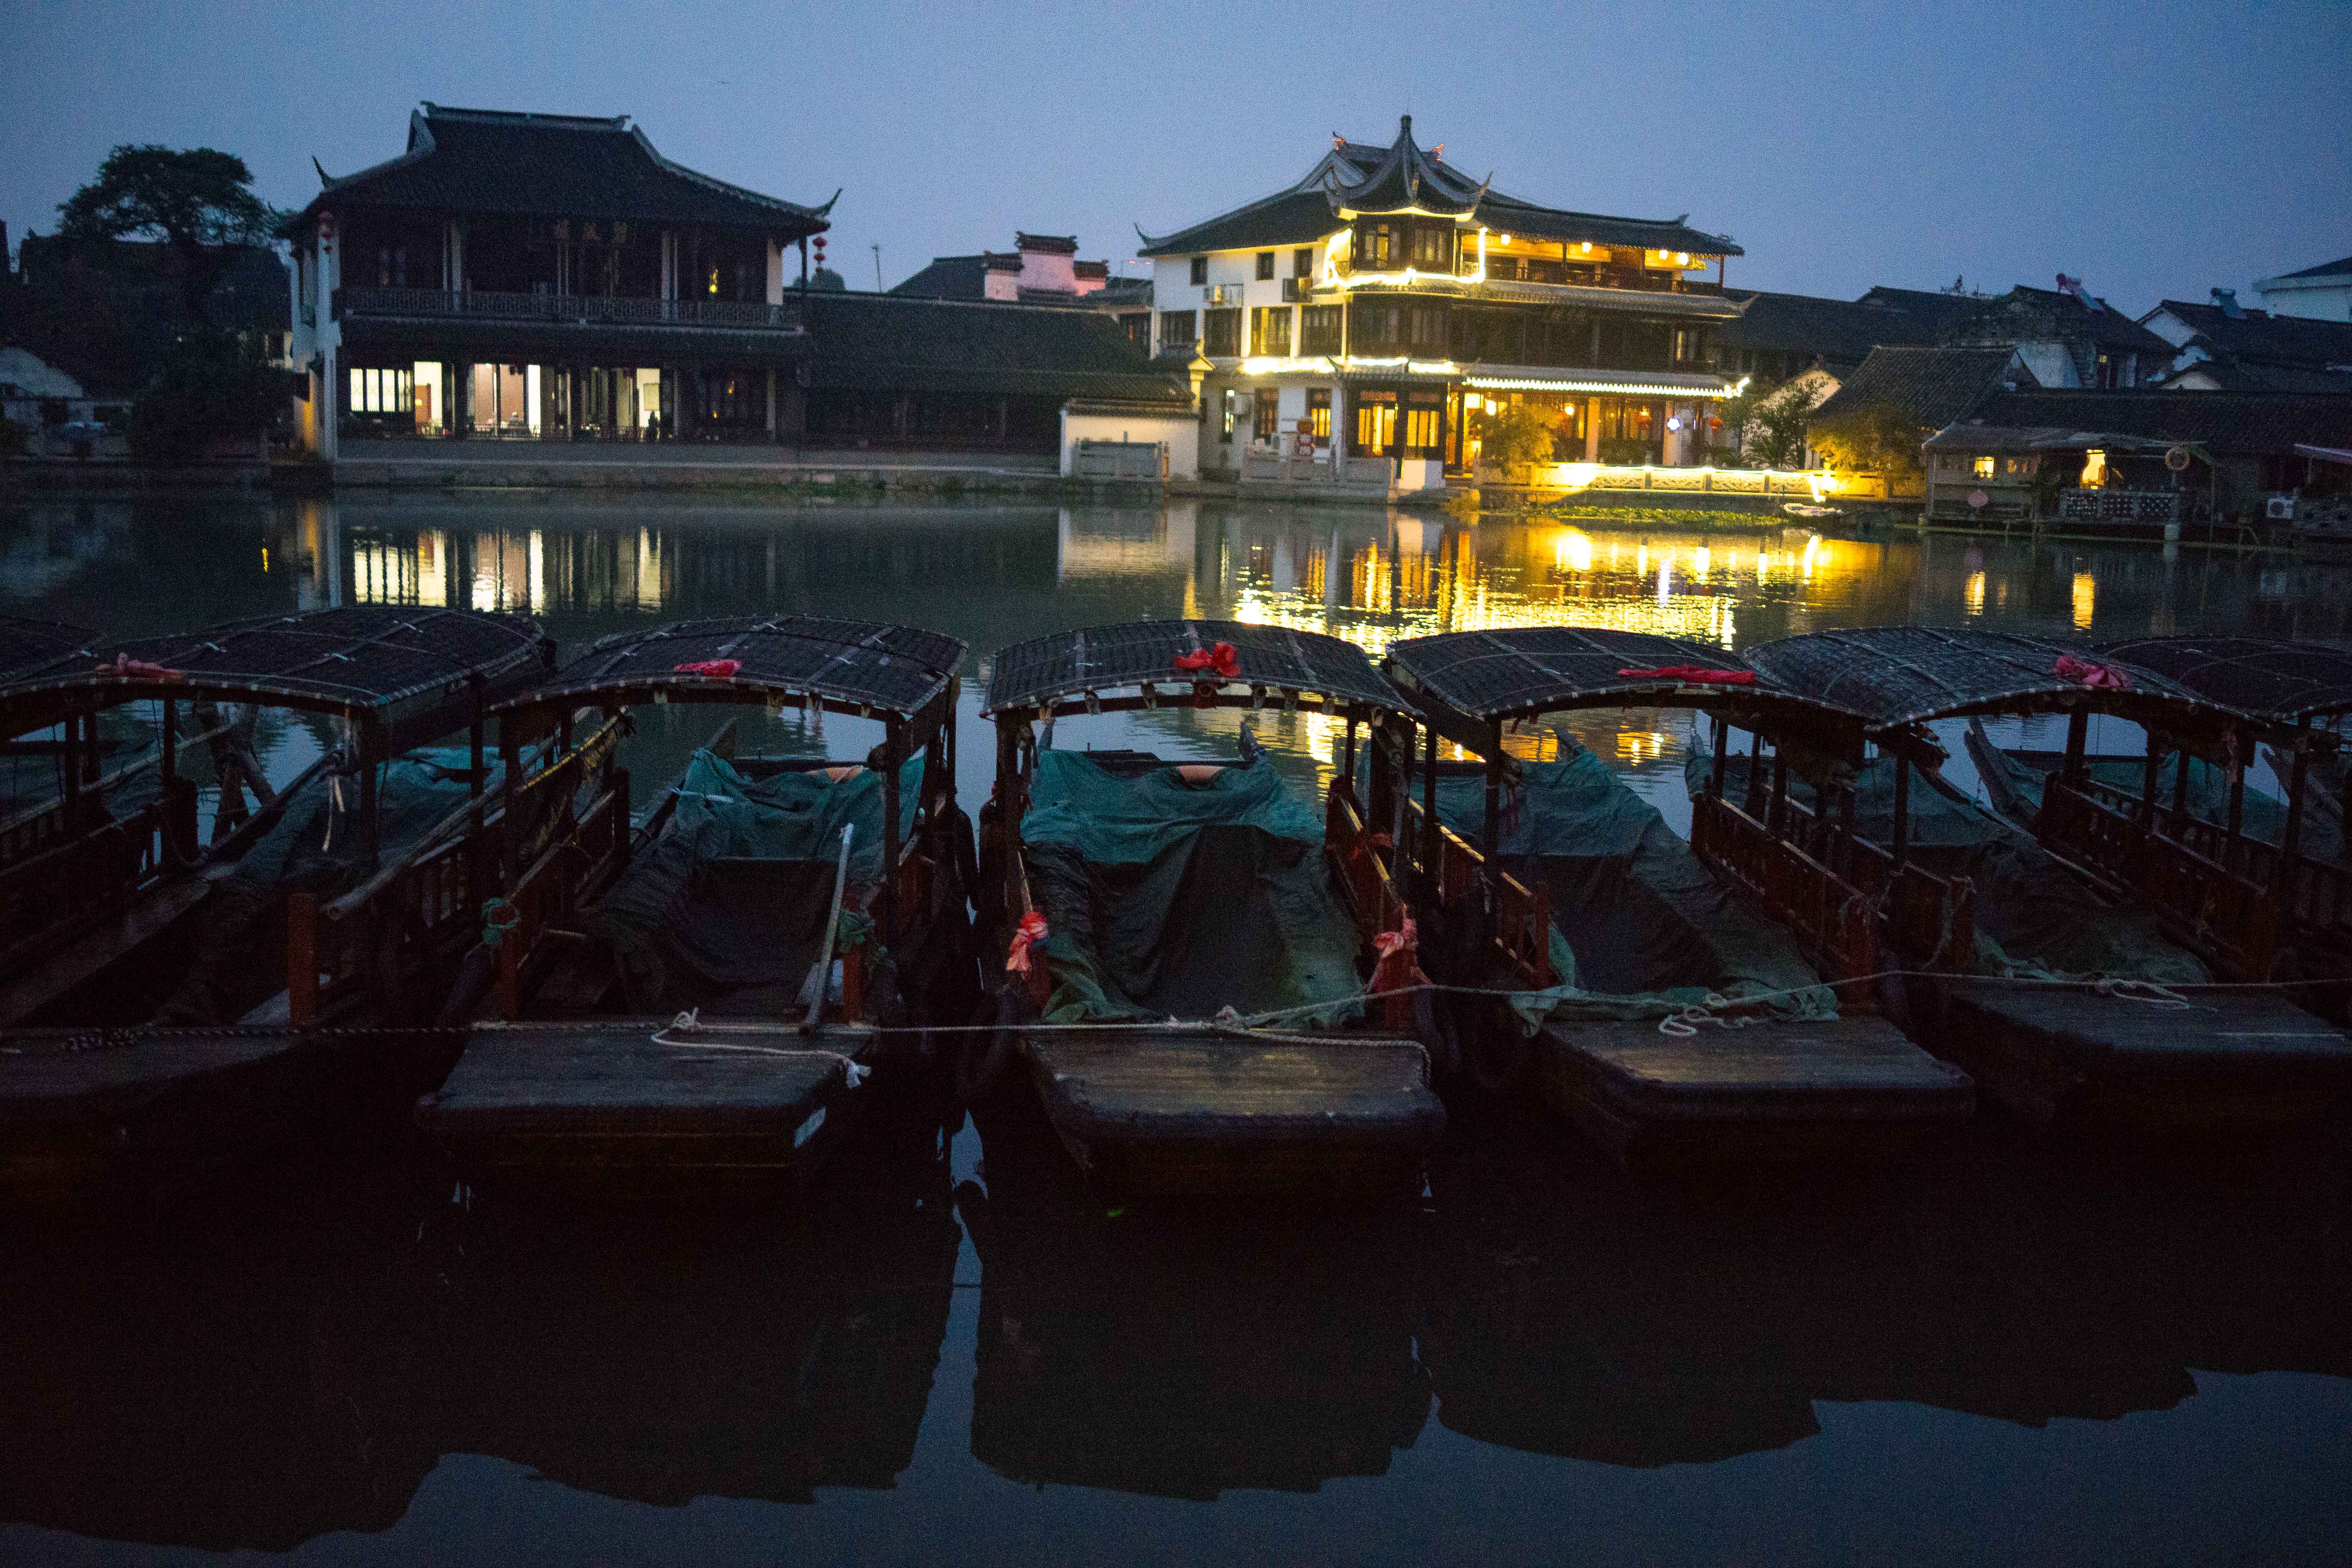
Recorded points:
(477, 304)
(2111, 505)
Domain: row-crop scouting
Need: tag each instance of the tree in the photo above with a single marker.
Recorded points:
(1871, 440)
(1768, 425)
(1516, 436)
(214, 384)
(199, 202)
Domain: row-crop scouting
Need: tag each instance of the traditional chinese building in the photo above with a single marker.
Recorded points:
(544, 277)
(1393, 300)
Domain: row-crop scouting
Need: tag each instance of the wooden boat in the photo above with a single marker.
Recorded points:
(1132, 888)
(146, 930)
(2057, 1039)
(699, 999)
(1610, 904)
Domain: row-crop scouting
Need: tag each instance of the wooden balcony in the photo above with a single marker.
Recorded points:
(475, 304)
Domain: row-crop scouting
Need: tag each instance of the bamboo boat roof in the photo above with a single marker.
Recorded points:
(869, 666)
(1097, 660)
(1501, 674)
(2286, 682)
(30, 648)
(1894, 676)
(412, 671)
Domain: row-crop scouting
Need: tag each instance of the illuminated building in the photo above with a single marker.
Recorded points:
(1389, 302)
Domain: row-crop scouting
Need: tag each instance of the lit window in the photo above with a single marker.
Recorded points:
(1984, 467)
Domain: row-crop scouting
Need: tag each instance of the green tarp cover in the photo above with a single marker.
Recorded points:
(727, 906)
(315, 847)
(1639, 927)
(1165, 899)
(2260, 815)
(2033, 917)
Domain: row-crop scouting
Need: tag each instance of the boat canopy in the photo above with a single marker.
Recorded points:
(869, 669)
(1894, 677)
(1200, 663)
(1466, 684)
(403, 673)
(2273, 681)
(30, 649)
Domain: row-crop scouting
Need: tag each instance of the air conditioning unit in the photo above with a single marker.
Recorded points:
(2280, 508)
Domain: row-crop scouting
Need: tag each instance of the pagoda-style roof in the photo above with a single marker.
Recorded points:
(551, 165)
(1407, 180)
(1402, 177)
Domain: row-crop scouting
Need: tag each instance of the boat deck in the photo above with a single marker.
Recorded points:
(2243, 1057)
(79, 1107)
(1204, 1114)
(1843, 1087)
(582, 1099)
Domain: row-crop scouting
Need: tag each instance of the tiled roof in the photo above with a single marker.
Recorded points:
(552, 165)
(2339, 268)
(2225, 422)
(2233, 374)
(898, 342)
(947, 278)
(1842, 331)
(2259, 334)
(1287, 217)
(2108, 327)
(1366, 178)
(1928, 387)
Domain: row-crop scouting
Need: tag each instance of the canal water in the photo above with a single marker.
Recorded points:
(2015, 1352)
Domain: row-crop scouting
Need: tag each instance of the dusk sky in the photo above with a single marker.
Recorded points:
(2154, 150)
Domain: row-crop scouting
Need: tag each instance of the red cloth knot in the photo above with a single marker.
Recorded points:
(1692, 675)
(1221, 659)
(724, 668)
(1032, 932)
(1399, 965)
(2083, 672)
(127, 666)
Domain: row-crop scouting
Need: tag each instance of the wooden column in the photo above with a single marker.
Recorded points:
(1901, 847)
(1348, 756)
(1722, 760)
(1779, 818)
(2291, 835)
(2149, 770)
(1008, 812)
(2078, 730)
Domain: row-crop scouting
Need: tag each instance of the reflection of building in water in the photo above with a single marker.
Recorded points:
(532, 571)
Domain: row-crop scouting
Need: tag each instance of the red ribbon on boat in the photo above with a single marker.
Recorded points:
(1400, 965)
(1692, 675)
(1220, 659)
(2083, 672)
(128, 667)
(1031, 931)
(724, 668)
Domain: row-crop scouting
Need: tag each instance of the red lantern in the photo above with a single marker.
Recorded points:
(1713, 423)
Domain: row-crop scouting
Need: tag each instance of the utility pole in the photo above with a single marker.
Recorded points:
(877, 269)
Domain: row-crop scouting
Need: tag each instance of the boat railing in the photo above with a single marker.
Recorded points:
(1522, 918)
(398, 925)
(2230, 915)
(71, 882)
(562, 879)
(2318, 897)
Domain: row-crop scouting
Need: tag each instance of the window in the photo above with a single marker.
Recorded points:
(1318, 413)
(1319, 328)
(1137, 327)
(1268, 414)
(1421, 422)
(1984, 467)
(1376, 246)
(1176, 331)
(1223, 334)
(1199, 269)
(1226, 423)
(384, 392)
(1428, 327)
(1270, 330)
(1432, 248)
(1265, 265)
(1375, 422)
(1302, 262)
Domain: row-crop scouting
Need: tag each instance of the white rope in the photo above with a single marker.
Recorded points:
(691, 1022)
